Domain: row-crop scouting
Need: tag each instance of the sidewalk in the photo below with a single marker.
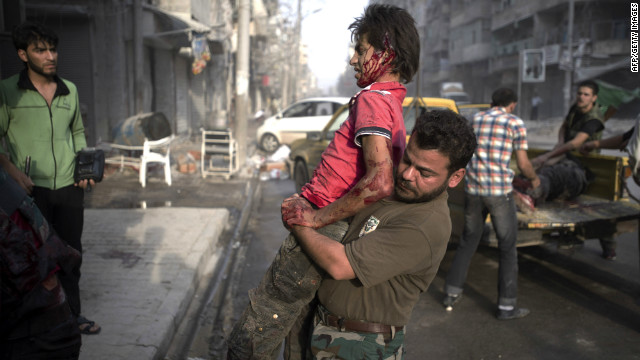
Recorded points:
(145, 252)
(140, 270)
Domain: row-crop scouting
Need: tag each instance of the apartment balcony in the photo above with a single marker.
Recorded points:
(472, 53)
(611, 47)
(437, 77)
(477, 10)
(260, 27)
(501, 63)
(520, 10)
(435, 45)
(514, 47)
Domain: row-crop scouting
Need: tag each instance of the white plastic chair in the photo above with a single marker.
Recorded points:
(156, 151)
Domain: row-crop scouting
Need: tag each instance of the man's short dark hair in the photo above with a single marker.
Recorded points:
(590, 84)
(503, 97)
(447, 132)
(397, 26)
(32, 33)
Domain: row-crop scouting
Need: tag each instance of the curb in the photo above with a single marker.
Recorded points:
(213, 279)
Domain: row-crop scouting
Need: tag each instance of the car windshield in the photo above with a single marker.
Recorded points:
(335, 125)
(410, 116)
(469, 112)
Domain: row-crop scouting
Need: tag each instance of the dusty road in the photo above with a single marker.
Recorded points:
(583, 307)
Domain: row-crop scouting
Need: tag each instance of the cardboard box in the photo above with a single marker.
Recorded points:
(280, 165)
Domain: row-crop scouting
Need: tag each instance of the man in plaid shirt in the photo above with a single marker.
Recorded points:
(489, 191)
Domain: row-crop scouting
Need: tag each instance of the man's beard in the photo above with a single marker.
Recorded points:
(40, 69)
(409, 194)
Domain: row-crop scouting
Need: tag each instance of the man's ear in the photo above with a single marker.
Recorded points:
(22, 55)
(456, 177)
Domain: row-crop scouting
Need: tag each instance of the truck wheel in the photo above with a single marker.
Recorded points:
(269, 143)
(300, 174)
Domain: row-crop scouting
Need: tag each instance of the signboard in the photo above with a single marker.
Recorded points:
(533, 65)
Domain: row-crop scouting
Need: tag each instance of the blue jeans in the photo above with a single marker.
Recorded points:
(505, 224)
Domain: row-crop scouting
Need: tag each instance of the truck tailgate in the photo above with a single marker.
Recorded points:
(583, 212)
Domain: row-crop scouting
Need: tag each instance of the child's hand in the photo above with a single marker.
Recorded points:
(297, 210)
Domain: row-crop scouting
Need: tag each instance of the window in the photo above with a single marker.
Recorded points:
(299, 110)
(323, 109)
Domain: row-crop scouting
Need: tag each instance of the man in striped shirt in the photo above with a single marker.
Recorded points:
(489, 191)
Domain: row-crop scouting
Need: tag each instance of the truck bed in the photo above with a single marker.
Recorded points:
(579, 212)
(603, 210)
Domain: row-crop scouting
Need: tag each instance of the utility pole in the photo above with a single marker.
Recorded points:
(520, 71)
(568, 75)
(242, 78)
(138, 56)
(296, 57)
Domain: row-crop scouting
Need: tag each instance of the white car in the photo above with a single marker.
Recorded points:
(297, 120)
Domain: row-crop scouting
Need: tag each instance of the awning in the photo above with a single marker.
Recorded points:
(172, 30)
(591, 72)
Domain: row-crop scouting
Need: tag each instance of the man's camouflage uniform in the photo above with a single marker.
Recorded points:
(272, 312)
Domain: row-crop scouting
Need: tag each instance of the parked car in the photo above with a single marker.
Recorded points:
(305, 154)
(296, 121)
(469, 110)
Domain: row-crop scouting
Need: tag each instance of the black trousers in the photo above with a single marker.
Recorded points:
(64, 210)
(59, 342)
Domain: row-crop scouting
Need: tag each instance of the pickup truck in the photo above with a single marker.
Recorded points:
(603, 209)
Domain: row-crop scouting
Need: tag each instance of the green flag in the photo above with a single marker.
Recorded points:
(611, 95)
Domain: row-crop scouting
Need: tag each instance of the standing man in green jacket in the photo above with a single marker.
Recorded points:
(40, 119)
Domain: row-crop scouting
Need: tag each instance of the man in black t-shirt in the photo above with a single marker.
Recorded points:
(561, 174)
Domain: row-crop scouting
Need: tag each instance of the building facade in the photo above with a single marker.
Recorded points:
(479, 43)
(133, 57)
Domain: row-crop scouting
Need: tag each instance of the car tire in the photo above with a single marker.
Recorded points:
(269, 143)
(300, 174)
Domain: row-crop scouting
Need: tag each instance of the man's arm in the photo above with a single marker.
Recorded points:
(77, 127)
(329, 254)
(574, 144)
(21, 178)
(613, 142)
(376, 184)
(526, 168)
(561, 131)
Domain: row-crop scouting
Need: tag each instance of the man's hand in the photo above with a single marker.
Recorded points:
(84, 183)
(535, 182)
(296, 210)
(538, 161)
(21, 178)
(588, 146)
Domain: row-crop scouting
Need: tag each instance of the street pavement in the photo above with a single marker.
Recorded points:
(146, 252)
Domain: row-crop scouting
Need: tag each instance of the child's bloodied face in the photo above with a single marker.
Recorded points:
(370, 64)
